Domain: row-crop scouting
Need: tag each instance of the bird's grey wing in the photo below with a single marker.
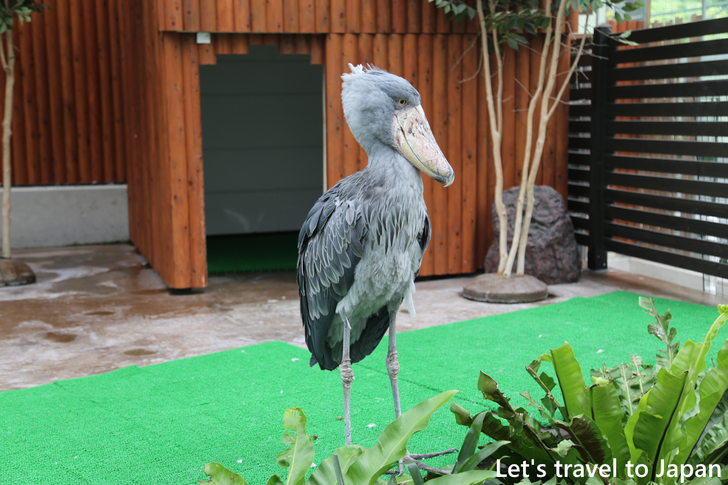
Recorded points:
(378, 324)
(423, 240)
(330, 245)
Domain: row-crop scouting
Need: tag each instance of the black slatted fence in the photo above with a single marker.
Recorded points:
(648, 147)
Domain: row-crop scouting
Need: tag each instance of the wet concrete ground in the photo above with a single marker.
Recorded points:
(98, 308)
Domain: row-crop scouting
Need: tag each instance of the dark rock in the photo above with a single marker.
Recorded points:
(551, 252)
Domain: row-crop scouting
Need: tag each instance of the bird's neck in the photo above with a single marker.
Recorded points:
(393, 167)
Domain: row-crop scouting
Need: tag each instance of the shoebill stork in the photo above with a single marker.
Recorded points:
(362, 243)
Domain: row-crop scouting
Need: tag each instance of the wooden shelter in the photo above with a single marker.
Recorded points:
(109, 91)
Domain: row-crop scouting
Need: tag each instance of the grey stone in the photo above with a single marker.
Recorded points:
(552, 254)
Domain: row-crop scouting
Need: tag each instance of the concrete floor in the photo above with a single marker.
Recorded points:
(98, 308)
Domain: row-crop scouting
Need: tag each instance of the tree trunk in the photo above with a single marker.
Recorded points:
(7, 132)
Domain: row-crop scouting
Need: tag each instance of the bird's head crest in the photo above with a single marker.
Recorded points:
(359, 70)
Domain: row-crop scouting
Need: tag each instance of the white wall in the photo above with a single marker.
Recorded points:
(52, 216)
(262, 138)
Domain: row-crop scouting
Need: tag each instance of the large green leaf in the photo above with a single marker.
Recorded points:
(584, 432)
(657, 421)
(489, 387)
(712, 390)
(325, 473)
(546, 383)
(462, 415)
(466, 478)
(298, 457)
(470, 443)
(219, 475)
(520, 443)
(392, 443)
(607, 413)
(481, 455)
(571, 381)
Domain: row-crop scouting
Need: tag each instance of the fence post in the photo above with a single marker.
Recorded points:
(597, 257)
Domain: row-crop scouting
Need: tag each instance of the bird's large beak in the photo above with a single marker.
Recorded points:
(415, 141)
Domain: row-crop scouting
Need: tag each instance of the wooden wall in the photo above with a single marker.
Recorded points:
(446, 69)
(109, 91)
(68, 124)
(307, 16)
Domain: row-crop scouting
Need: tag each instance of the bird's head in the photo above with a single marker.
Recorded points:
(383, 108)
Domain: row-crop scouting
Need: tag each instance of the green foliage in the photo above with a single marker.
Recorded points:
(17, 8)
(512, 18)
(358, 465)
(670, 418)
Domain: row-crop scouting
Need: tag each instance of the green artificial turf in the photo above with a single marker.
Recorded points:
(252, 252)
(160, 424)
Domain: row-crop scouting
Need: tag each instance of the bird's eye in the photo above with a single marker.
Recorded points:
(402, 101)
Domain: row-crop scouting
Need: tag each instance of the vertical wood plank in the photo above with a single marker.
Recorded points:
(414, 17)
(79, 82)
(323, 16)
(334, 113)
(369, 16)
(384, 16)
(208, 16)
(225, 16)
(429, 18)
(351, 147)
(173, 15)
(274, 15)
(207, 54)
(241, 14)
(409, 59)
(106, 89)
(290, 16)
(285, 45)
(509, 119)
(130, 109)
(317, 49)
(438, 212)
(353, 16)
(302, 44)
(469, 175)
(93, 93)
(28, 107)
(45, 40)
(40, 77)
(195, 172)
(338, 16)
(365, 56)
(306, 16)
(454, 154)
(442, 23)
(381, 58)
(239, 45)
(395, 64)
(424, 86)
(223, 43)
(117, 93)
(399, 16)
(191, 15)
(67, 90)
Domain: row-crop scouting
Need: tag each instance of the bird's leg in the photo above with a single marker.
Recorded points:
(393, 362)
(393, 370)
(347, 376)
